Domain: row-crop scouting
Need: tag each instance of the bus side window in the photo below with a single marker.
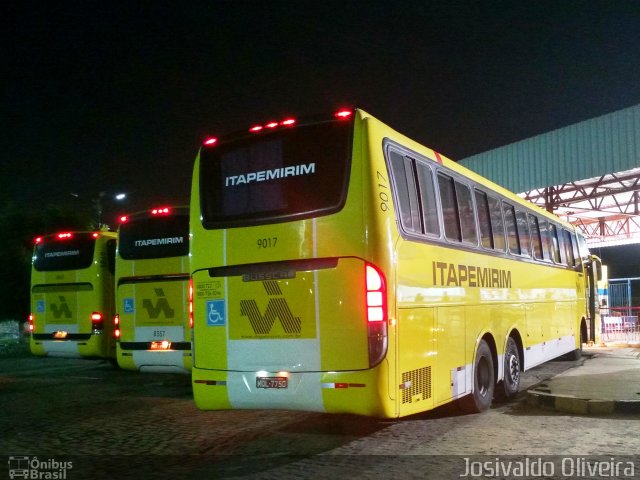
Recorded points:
(523, 233)
(555, 246)
(405, 185)
(576, 251)
(496, 224)
(484, 219)
(546, 240)
(449, 208)
(428, 198)
(510, 224)
(111, 256)
(568, 248)
(467, 214)
(536, 239)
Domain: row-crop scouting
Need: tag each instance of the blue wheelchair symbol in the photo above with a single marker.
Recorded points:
(128, 305)
(40, 306)
(215, 313)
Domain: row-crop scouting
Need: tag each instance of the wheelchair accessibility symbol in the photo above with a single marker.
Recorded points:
(128, 305)
(215, 313)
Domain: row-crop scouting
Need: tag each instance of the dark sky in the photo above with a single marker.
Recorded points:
(117, 96)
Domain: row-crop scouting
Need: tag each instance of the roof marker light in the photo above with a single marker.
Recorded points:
(64, 235)
(123, 219)
(37, 240)
(288, 122)
(343, 114)
(210, 141)
(95, 234)
(256, 128)
(160, 211)
(271, 125)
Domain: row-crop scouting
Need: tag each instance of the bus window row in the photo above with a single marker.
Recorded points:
(435, 203)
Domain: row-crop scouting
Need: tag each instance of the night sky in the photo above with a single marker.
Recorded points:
(117, 96)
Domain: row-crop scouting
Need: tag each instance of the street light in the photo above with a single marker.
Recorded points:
(98, 204)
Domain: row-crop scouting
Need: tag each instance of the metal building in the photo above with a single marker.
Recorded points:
(587, 173)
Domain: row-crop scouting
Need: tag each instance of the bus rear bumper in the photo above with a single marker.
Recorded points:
(357, 392)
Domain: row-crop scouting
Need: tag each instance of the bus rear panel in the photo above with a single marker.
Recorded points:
(72, 295)
(280, 291)
(152, 278)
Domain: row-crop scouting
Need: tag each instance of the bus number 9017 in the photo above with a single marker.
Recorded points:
(267, 242)
(382, 195)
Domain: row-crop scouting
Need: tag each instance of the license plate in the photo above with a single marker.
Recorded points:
(60, 334)
(163, 345)
(271, 382)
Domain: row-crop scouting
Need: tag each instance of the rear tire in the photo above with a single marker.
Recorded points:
(511, 382)
(483, 381)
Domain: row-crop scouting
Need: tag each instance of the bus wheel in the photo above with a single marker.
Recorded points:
(483, 381)
(511, 382)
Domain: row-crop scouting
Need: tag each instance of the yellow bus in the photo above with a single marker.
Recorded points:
(339, 266)
(72, 294)
(152, 277)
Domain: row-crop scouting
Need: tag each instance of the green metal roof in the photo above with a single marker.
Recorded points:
(601, 145)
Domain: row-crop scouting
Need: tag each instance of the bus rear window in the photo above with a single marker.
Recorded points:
(154, 237)
(291, 174)
(72, 253)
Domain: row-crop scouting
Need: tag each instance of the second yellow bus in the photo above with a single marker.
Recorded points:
(152, 278)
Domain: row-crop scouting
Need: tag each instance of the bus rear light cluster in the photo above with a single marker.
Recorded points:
(116, 326)
(376, 305)
(191, 303)
(97, 323)
(31, 325)
(287, 122)
(376, 313)
(161, 211)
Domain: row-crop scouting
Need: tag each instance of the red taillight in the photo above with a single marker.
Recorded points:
(123, 219)
(116, 326)
(376, 295)
(287, 122)
(210, 141)
(37, 240)
(376, 307)
(95, 234)
(96, 321)
(32, 325)
(191, 303)
(343, 114)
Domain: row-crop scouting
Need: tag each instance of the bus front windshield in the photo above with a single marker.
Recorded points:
(289, 174)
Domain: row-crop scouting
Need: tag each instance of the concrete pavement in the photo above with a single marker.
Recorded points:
(605, 381)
